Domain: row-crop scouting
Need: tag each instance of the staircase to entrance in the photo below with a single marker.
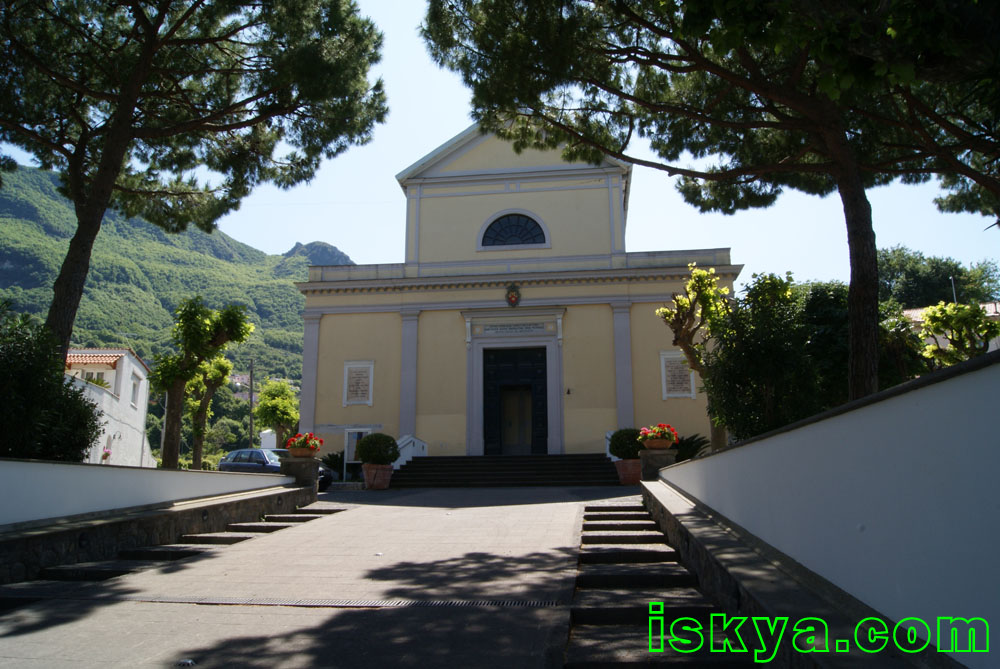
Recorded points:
(485, 471)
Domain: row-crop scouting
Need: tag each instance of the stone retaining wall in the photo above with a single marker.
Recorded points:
(24, 553)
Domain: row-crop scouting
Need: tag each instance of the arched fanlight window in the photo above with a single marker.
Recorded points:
(513, 230)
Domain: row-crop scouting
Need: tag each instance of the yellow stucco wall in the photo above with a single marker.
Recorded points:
(589, 374)
(350, 337)
(495, 154)
(650, 335)
(577, 222)
(441, 382)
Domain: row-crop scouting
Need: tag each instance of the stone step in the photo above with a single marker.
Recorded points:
(627, 554)
(502, 483)
(672, 598)
(656, 537)
(506, 473)
(166, 552)
(220, 538)
(592, 646)
(620, 526)
(615, 508)
(320, 508)
(93, 571)
(612, 515)
(501, 459)
(655, 575)
(630, 606)
(291, 517)
(258, 527)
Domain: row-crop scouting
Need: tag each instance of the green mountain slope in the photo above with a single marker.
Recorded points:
(139, 274)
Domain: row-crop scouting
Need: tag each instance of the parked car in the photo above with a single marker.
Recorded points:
(253, 460)
(266, 461)
(325, 477)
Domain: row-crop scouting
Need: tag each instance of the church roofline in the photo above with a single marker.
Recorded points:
(468, 135)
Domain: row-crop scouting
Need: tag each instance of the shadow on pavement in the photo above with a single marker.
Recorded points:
(539, 576)
(425, 637)
(31, 606)
(458, 498)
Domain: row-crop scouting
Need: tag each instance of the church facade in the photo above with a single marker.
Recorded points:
(518, 323)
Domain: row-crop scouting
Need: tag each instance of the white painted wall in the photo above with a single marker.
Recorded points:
(124, 432)
(34, 490)
(895, 502)
(268, 439)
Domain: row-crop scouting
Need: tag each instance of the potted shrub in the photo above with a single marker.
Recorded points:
(659, 449)
(377, 452)
(656, 436)
(303, 445)
(625, 445)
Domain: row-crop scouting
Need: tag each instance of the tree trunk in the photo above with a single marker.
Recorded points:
(201, 422)
(68, 287)
(862, 296)
(719, 437)
(198, 430)
(172, 424)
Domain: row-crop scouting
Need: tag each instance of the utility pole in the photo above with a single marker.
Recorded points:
(954, 295)
(251, 402)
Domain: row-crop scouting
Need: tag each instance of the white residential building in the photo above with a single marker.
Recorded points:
(117, 380)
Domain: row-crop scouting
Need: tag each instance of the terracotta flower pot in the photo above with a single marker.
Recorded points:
(301, 452)
(657, 443)
(628, 471)
(377, 476)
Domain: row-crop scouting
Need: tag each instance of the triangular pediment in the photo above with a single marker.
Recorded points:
(472, 153)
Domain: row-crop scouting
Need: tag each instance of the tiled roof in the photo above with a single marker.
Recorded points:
(93, 358)
(101, 356)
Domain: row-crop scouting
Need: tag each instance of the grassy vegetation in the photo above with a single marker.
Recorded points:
(139, 274)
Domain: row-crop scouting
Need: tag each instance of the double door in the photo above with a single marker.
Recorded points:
(515, 405)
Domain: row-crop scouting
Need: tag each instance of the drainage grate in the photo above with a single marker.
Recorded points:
(310, 603)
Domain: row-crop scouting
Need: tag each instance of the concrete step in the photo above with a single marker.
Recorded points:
(620, 526)
(291, 517)
(258, 527)
(166, 552)
(502, 483)
(630, 606)
(656, 537)
(592, 646)
(614, 508)
(220, 538)
(614, 515)
(322, 508)
(93, 571)
(627, 554)
(655, 575)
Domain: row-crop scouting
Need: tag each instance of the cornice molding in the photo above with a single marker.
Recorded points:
(568, 278)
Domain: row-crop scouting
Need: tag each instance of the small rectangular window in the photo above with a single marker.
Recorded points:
(676, 378)
(136, 382)
(351, 439)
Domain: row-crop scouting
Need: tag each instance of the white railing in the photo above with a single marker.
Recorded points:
(607, 445)
(409, 448)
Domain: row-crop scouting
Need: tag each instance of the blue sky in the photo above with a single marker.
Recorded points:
(355, 203)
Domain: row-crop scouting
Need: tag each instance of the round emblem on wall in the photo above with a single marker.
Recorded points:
(513, 295)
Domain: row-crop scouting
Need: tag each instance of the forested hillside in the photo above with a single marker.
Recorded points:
(139, 274)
